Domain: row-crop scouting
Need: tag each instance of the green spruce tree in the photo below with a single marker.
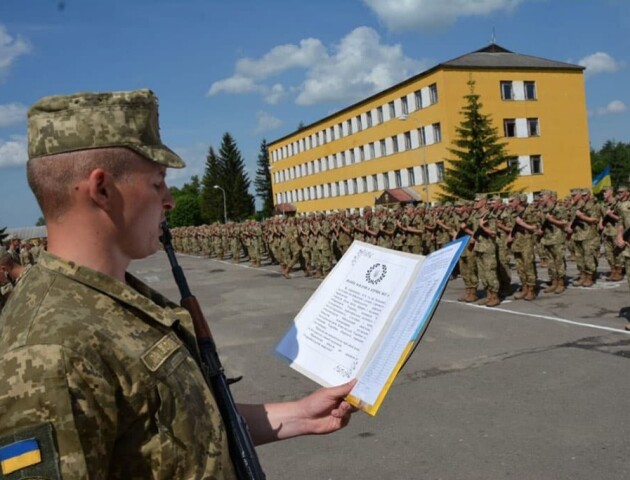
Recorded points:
(240, 203)
(481, 162)
(262, 182)
(211, 197)
(187, 211)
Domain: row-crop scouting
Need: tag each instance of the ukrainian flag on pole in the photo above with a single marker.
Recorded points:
(602, 180)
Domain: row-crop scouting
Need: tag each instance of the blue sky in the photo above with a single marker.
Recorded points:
(258, 68)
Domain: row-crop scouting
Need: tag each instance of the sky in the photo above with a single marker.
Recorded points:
(257, 69)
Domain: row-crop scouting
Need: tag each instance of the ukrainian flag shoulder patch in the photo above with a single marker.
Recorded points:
(30, 452)
(19, 455)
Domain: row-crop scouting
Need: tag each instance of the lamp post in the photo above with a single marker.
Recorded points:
(224, 206)
(423, 146)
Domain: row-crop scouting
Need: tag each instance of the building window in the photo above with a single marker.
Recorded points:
(374, 182)
(425, 173)
(372, 150)
(530, 90)
(332, 133)
(422, 138)
(397, 178)
(509, 127)
(418, 95)
(364, 183)
(407, 140)
(340, 128)
(433, 93)
(345, 188)
(368, 117)
(379, 114)
(532, 127)
(383, 148)
(507, 92)
(354, 185)
(535, 164)
(404, 105)
(315, 143)
(362, 153)
(395, 143)
(359, 125)
(513, 162)
(439, 167)
(392, 110)
(412, 176)
(437, 133)
(349, 123)
(385, 181)
(351, 156)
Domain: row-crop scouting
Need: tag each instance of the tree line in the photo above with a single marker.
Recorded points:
(223, 191)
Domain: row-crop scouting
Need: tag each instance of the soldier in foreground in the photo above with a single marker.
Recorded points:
(98, 374)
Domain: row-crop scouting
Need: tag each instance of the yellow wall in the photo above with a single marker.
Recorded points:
(560, 107)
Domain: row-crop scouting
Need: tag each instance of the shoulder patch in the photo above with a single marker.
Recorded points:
(160, 351)
(30, 453)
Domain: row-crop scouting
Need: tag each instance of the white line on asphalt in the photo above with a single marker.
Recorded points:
(544, 317)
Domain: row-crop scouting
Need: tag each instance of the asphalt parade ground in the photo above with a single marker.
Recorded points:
(526, 390)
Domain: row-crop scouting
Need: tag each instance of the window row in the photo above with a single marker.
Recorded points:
(527, 164)
(409, 177)
(426, 135)
(521, 127)
(417, 100)
(518, 90)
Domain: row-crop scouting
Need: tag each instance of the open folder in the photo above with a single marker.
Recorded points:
(367, 317)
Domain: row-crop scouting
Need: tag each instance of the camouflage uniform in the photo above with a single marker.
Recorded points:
(105, 376)
(553, 241)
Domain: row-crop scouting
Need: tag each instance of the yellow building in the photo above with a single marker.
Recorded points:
(400, 137)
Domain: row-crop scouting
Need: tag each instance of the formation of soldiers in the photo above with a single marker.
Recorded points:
(16, 256)
(505, 234)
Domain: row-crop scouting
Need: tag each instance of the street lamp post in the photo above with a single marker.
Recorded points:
(425, 167)
(224, 205)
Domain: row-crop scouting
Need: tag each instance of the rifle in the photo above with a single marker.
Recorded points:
(242, 451)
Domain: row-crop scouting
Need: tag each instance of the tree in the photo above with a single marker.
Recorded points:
(211, 198)
(40, 222)
(262, 182)
(481, 161)
(617, 155)
(187, 211)
(3, 234)
(234, 180)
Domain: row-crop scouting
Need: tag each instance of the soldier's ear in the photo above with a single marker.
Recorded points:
(101, 188)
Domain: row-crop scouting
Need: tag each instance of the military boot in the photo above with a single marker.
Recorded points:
(560, 288)
(531, 293)
(588, 280)
(521, 294)
(580, 282)
(615, 275)
(464, 296)
(493, 299)
(552, 288)
(486, 299)
(472, 296)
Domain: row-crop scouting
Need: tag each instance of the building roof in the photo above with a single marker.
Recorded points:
(491, 57)
(495, 56)
(26, 233)
(398, 195)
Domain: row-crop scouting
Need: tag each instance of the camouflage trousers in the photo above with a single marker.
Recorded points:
(613, 253)
(413, 248)
(325, 256)
(468, 270)
(526, 266)
(487, 270)
(503, 265)
(556, 264)
(293, 254)
(587, 255)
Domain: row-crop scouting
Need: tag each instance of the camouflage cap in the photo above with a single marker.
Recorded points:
(575, 191)
(586, 191)
(622, 189)
(550, 193)
(481, 196)
(67, 123)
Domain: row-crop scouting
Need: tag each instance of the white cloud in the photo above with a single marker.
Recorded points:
(600, 62)
(10, 49)
(11, 114)
(358, 66)
(13, 152)
(616, 106)
(282, 58)
(431, 14)
(266, 122)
